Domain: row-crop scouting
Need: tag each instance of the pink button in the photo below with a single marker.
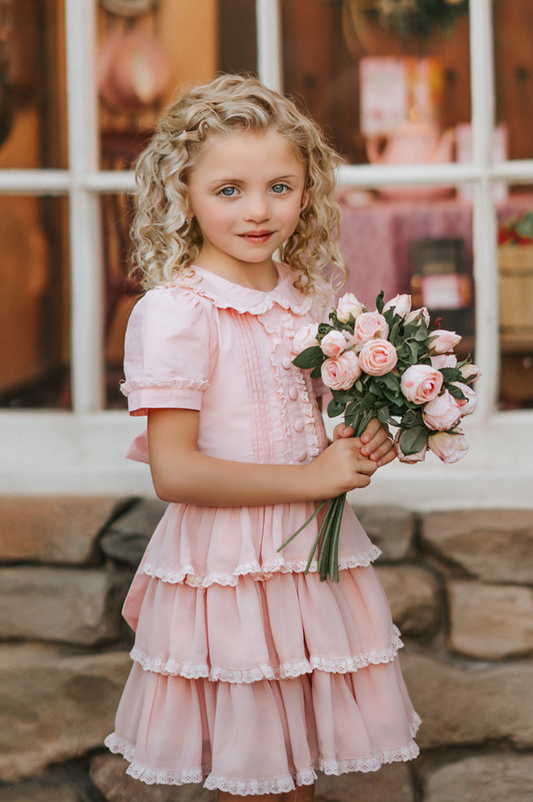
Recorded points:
(299, 425)
(302, 456)
(293, 393)
(286, 362)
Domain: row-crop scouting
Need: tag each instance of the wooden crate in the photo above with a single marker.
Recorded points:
(516, 295)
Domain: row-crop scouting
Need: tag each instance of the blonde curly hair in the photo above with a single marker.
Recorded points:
(167, 241)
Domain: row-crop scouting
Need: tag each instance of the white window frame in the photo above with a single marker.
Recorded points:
(81, 452)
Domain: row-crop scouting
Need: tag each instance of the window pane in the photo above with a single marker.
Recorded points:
(383, 80)
(121, 292)
(397, 242)
(513, 21)
(34, 324)
(515, 259)
(32, 84)
(144, 60)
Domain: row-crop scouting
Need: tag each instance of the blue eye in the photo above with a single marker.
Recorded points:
(279, 189)
(228, 192)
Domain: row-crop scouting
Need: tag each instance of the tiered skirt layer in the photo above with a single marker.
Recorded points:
(253, 682)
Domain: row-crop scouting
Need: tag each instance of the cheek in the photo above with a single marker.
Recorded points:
(214, 216)
(290, 213)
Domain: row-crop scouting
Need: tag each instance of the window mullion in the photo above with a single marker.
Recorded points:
(269, 52)
(85, 235)
(484, 223)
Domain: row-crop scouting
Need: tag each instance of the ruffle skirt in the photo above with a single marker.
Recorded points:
(249, 674)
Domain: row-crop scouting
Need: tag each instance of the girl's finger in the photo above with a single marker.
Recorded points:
(380, 437)
(371, 430)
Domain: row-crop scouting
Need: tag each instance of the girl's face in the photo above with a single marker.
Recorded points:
(246, 192)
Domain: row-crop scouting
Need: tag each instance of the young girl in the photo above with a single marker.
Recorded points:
(248, 673)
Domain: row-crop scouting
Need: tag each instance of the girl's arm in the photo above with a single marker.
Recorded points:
(181, 473)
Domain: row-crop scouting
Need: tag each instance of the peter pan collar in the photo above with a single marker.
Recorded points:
(227, 295)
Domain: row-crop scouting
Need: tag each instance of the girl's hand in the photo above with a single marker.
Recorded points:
(340, 468)
(376, 442)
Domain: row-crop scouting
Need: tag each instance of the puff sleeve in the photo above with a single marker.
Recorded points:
(166, 357)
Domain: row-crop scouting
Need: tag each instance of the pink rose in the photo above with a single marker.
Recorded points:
(443, 361)
(341, 373)
(467, 404)
(370, 326)
(448, 447)
(471, 372)
(443, 341)
(421, 383)
(417, 315)
(333, 344)
(378, 357)
(304, 338)
(442, 412)
(401, 304)
(348, 305)
(410, 458)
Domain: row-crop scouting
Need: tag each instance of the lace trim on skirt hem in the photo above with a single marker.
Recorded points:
(268, 786)
(254, 569)
(342, 665)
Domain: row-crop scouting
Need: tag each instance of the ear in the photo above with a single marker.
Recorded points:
(305, 201)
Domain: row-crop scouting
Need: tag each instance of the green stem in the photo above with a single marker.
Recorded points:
(303, 526)
(315, 545)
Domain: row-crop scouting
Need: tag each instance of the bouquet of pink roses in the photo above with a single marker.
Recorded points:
(388, 365)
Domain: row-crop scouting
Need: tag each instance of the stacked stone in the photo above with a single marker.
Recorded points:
(460, 586)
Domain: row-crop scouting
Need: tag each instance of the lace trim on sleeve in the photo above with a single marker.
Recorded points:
(171, 384)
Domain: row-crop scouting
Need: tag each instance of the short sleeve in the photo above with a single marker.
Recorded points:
(166, 354)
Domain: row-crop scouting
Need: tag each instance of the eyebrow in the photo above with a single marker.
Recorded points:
(235, 180)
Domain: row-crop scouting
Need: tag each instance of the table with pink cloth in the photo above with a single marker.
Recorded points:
(376, 238)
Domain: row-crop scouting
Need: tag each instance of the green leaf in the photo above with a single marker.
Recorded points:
(325, 328)
(342, 396)
(335, 408)
(391, 380)
(383, 415)
(456, 392)
(421, 334)
(413, 417)
(309, 358)
(413, 440)
(316, 373)
(451, 374)
(380, 303)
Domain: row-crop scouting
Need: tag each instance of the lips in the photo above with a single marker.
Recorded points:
(256, 236)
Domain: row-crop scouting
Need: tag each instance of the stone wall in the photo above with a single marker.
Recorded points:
(460, 587)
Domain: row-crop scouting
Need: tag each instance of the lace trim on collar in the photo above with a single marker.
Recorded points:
(252, 301)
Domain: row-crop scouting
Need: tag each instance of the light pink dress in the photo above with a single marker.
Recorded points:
(248, 674)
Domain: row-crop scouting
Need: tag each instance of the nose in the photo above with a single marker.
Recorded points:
(257, 209)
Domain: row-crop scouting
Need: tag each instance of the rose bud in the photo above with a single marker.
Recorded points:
(442, 412)
(333, 344)
(378, 357)
(421, 383)
(348, 305)
(442, 341)
(443, 361)
(467, 404)
(410, 458)
(370, 326)
(401, 304)
(471, 372)
(448, 447)
(304, 338)
(341, 373)
(417, 316)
